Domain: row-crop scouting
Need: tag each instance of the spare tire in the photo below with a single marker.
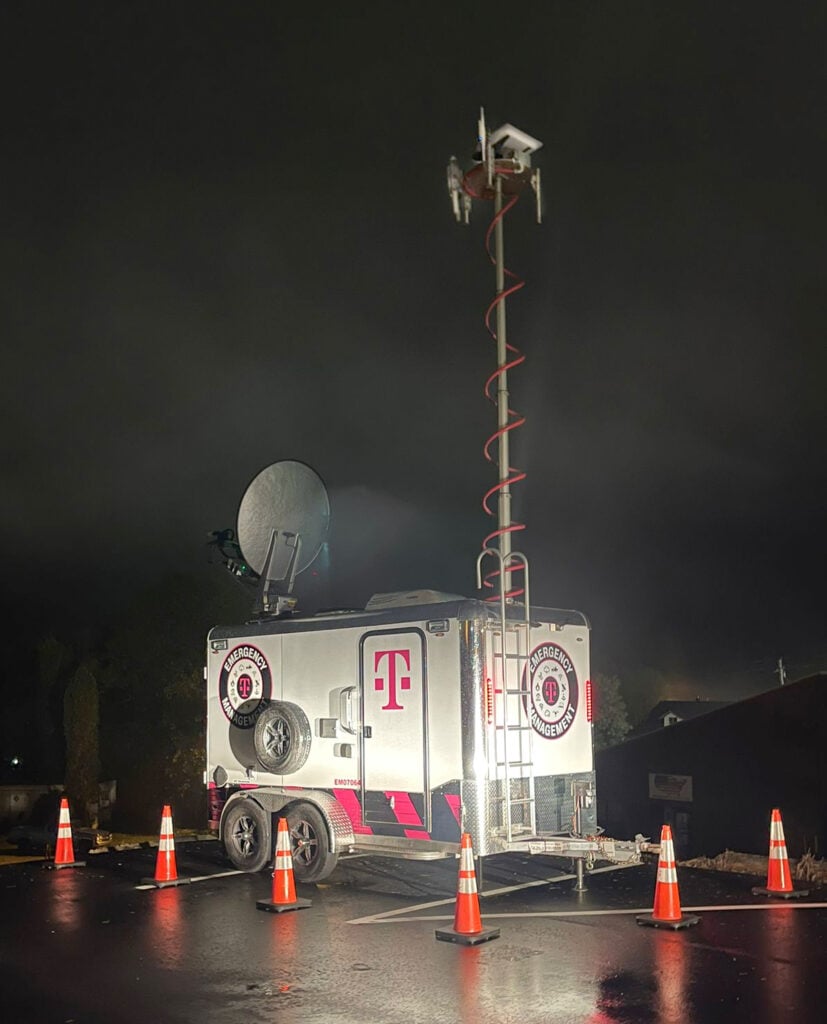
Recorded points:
(282, 738)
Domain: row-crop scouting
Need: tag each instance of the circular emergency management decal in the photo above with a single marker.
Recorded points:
(550, 683)
(244, 685)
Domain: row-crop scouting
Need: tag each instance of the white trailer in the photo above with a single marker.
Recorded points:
(393, 729)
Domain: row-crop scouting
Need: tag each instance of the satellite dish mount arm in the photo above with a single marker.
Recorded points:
(279, 575)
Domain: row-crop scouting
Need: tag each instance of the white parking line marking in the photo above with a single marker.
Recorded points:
(763, 906)
(490, 892)
(199, 878)
(379, 919)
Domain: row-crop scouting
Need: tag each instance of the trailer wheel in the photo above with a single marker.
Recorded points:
(312, 857)
(282, 738)
(247, 835)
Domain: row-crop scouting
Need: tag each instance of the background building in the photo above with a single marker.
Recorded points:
(716, 777)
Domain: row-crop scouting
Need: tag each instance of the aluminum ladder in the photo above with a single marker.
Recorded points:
(508, 643)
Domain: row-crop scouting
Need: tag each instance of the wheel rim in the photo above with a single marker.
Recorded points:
(245, 836)
(277, 738)
(305, 843)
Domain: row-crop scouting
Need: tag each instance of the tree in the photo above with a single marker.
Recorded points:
(183, 723)
(611, 722)
(53, 661)
(80, 727)
(153, 696)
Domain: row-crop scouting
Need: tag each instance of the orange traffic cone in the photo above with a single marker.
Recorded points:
(468, 929)
(779, 881)
(166, 870)
(284, 888)
(64, 850)
(666, 912)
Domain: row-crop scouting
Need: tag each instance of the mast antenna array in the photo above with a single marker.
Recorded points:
(501, 170)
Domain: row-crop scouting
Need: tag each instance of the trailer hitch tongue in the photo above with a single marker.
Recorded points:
(644, 844)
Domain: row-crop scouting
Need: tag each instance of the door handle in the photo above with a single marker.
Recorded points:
(367, 732)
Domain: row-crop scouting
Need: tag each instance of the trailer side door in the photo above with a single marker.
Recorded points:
(393, 691)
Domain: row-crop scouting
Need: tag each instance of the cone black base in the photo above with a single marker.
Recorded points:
(795, 894)
(463, 939)
(165, 885)
(684, 921)
(71, 864)
(279, 908)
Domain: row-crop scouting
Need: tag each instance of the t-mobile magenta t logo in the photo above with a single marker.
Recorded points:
(404, 682)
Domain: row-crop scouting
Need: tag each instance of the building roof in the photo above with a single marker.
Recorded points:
(682, 709)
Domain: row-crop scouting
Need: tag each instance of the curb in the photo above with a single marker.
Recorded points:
(8, 857)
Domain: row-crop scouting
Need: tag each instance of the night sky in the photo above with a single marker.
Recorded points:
(226, 241)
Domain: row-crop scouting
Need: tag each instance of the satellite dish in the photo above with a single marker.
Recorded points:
(287, 497)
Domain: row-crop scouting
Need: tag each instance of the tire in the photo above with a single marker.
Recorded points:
(282, 738)
(247, 835)
(310, 842)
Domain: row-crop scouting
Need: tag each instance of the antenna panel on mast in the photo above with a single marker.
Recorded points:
(486, 149)
(503, 155)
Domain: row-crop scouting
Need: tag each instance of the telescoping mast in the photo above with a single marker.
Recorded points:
(501, 171)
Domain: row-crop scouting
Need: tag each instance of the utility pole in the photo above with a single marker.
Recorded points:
(781, 671)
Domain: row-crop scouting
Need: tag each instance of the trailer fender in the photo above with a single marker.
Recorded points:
(275, 799)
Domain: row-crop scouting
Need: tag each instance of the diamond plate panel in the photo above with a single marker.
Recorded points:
(476, 815)
(555, 803)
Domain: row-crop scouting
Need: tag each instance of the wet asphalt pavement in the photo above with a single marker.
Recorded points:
(86, 946)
